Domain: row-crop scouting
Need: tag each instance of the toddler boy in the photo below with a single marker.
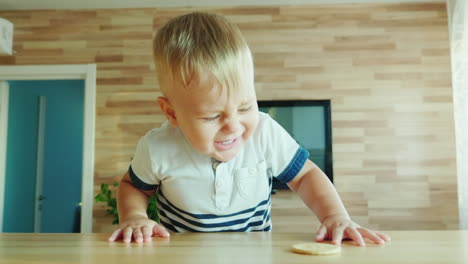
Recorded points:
(213, 162)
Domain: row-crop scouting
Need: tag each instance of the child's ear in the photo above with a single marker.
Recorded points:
(168, 110)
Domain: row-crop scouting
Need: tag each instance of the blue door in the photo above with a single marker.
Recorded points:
(61, 162)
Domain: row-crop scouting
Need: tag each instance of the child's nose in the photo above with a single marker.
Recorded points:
(232, 124)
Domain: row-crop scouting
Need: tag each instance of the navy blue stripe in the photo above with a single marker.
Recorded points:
(249, 225)
(211, 216)
(167, 225)
(266, 214)
(294, 166)
(266, 217)
(243, 229)
(139, 183)
(214, 225)
(182, 226)
(208, 216)
(174, 223)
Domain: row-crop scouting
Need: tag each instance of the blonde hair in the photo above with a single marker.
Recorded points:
(196, 42)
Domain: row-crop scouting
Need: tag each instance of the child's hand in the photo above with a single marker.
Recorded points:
(339, 227)
(140, 228)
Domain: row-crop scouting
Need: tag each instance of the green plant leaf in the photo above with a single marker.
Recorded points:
(107, 197)
(100, 198)
(112, 202)
(104, 188)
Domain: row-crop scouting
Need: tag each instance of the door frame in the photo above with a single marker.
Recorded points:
(86, 72)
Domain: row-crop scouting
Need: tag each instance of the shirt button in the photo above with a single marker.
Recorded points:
(252, 171)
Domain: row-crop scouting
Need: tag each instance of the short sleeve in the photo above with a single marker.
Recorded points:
(283, 154)
(141, 169)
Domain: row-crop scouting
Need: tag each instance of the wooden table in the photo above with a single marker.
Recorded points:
(204, 248)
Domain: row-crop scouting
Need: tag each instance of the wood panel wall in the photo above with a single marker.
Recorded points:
(385, 67)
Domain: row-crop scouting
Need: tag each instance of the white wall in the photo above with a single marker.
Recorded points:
(458, 27)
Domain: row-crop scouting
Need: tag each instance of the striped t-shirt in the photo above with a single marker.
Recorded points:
(199, 194)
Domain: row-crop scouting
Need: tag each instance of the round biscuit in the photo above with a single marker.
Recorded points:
(316, 249)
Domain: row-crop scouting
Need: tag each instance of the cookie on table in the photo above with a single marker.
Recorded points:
(316, 249)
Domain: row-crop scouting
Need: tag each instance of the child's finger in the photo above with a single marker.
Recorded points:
(127, 235)
(321, 233)
(383, 236)
(337, 234)
(371, 235)
(354, 234)
(160, 231)
(137, 235)
(116, 235)
(147, 233)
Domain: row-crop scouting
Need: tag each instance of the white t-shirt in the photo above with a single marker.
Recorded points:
(199, 194)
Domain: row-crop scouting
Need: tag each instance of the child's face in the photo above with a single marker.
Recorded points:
(216, 120)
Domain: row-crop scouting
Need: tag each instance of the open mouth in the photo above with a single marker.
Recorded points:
(226, 144)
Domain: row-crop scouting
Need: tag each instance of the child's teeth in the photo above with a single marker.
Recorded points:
(227, 142)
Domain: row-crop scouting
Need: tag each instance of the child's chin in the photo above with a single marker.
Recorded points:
(225, 157)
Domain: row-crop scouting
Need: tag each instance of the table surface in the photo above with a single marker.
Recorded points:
(447, 246)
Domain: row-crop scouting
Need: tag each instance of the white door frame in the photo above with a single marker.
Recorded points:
(85, 72)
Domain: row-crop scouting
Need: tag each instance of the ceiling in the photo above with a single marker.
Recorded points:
(97, 4)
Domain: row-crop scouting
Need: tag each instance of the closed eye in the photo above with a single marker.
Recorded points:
(245, 109)
(211, 118)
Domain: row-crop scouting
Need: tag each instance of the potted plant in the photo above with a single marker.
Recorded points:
(106, 196)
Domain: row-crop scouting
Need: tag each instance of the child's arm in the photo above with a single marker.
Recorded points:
(132, 204)
(319, 194)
